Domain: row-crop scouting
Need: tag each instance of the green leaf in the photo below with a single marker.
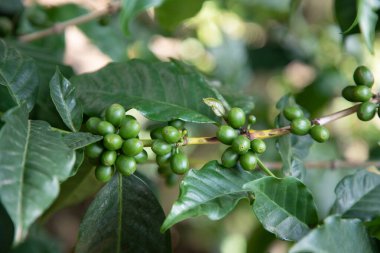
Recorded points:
(213, 191)
(33, 160)
(160, 91)
(358, 195)
(125, 216)
(284, 206)
(19, 75)
(216, 106)
(292, 148)
(130, 8)
(6, 230)
(243, 101)
(345, 14)
(373, 228)
(76, 189)
(62, 93)
(171, 13)
(336, 235)
(38, 241)
(353, 15)
(80, 139)
(367, 19)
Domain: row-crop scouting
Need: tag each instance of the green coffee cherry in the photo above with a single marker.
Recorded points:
(300, 126)
(248, 161)
(251, 119)
(132, 147)
(177, 123)
(104, 128)
(92, 125)
(366, 111)
(112, 141)
(171, 134)
(179, 163)
(293, 112)
(129, 128)
(362, 93)
(141, 157)
(125, 165)
(103, 173)
(229, 158)
(240, 144)
(319, 133)
(163, 161)
(114, 114)
(348, 93)
(160, 147)
(363, 76)
(258, 146)
(108, 157)
(226, 134)
(236, 117)
(156, 133)
(93, 150)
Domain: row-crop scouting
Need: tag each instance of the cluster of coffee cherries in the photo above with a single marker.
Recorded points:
(121, 148)
(361, 92)
(300, 125)
(169, 157)
(242, 149)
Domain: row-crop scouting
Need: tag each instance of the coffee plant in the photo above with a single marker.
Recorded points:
(110, 143)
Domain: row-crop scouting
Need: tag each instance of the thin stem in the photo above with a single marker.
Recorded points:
(264, 168)
(60, 27)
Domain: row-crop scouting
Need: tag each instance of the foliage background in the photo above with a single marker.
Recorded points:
(261, 48)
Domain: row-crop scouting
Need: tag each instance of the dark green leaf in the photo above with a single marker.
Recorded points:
(38, 241)
(171, 13)
(11, 7)
(213, 191)
(284, 206)
(292, 148)
(80, 139)
(373, 228)
(367, 19)
(6, 230)
(162, 91)
(124, 217)
(336, 235)
(33, 160)
(76, 189)
(19, 75)
(358, 195)
(79, 158)
(345, 14)
(46, 64)
(62, 93)
(245, 102)
(130, 8)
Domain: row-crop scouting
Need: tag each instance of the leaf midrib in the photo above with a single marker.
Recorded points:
(23, 167)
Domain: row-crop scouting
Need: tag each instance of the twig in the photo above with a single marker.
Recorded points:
(334, 164)
(60, 27)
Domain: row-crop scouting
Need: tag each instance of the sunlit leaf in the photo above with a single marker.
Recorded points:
(284, 206)
(213, 191)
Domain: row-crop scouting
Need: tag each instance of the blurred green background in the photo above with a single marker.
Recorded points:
(254, 51)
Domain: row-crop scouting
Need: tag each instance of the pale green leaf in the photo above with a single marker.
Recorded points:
(334, 236)
(213, 191)
(284, 206)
